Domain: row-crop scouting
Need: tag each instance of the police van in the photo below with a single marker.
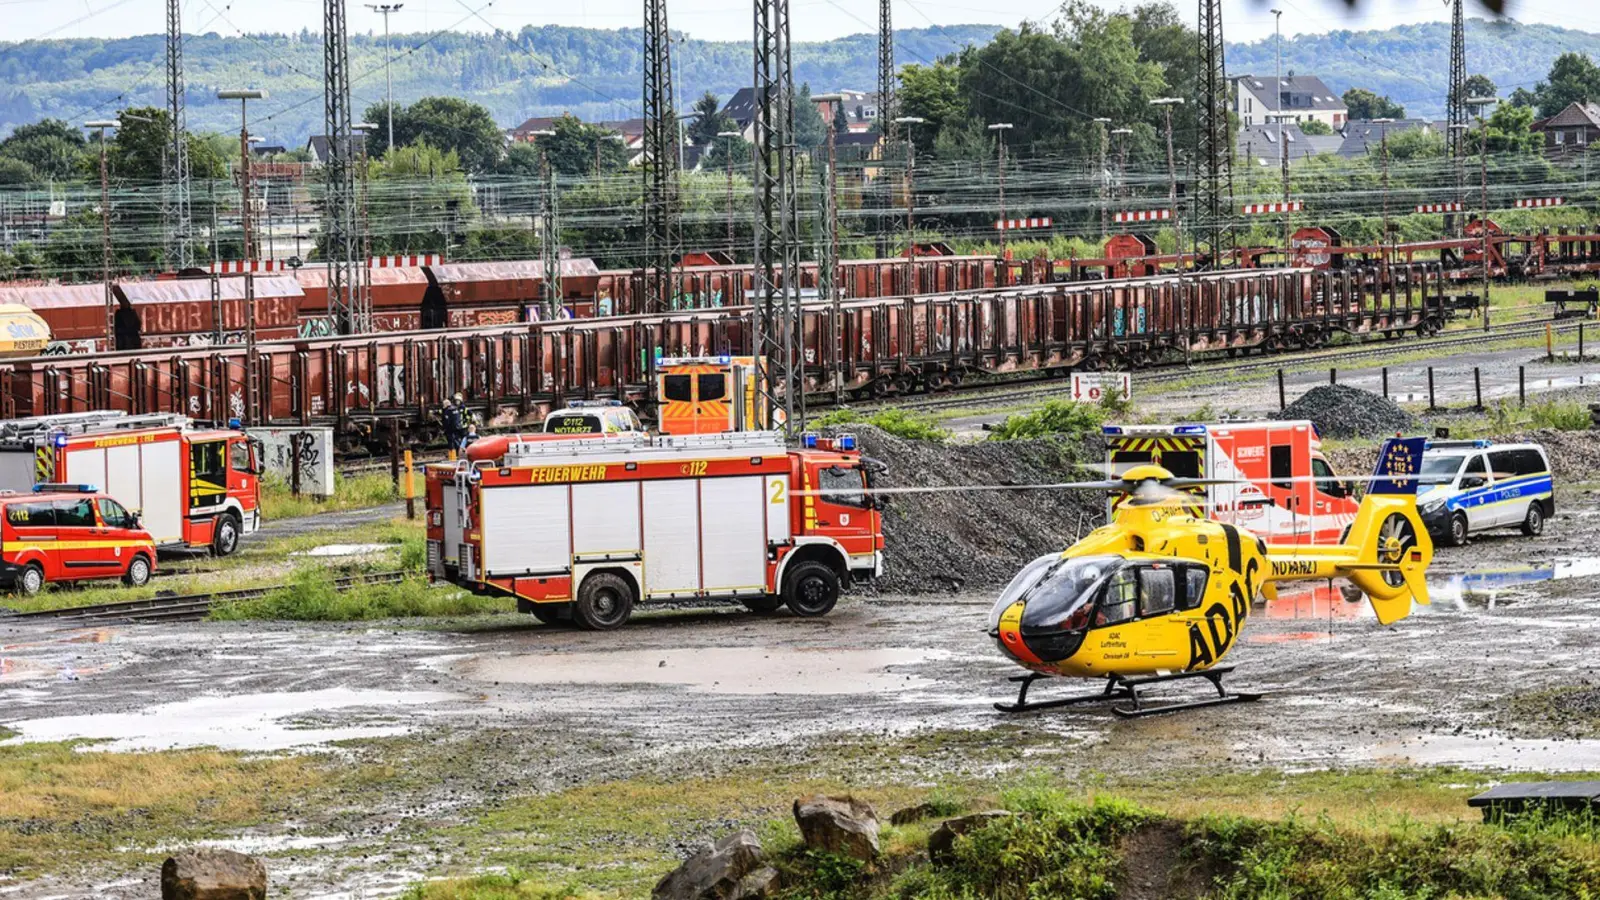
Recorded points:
(1470, 486)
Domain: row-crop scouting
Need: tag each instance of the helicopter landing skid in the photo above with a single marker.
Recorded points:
(1121, 688)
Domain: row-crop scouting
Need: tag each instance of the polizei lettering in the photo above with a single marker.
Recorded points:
(1294, 567)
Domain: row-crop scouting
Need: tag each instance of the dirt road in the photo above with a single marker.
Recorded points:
(680, 693)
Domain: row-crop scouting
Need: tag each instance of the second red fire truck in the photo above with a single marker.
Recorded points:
(588, 529)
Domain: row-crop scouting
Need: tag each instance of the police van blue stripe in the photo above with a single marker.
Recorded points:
(1527, 487)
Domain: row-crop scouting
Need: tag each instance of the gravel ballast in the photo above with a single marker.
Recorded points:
(1340, 411)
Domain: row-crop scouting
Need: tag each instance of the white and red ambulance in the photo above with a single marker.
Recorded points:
(190, 486)
(590, 528)
(1286, 491)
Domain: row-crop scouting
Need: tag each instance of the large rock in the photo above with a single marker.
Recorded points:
(842, 825)
(941, 844)
(210, 874)
(730, 869)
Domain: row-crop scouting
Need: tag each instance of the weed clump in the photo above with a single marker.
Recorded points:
(1062, 419)
(360, 492)
(313, 596)
(902, 423)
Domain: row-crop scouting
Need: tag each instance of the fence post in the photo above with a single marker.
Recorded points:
(1385, 382)
(1283, 400)
(1549, 342)
(394, 458)
(1431, 404)
(1522, 385)
(1580, 342)
(1333, 376)
(296, 445)
(411, 488)
(1477, 386)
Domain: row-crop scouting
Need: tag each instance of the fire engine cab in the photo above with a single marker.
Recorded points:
(191, 487)
(589, 528)
(1286, 493)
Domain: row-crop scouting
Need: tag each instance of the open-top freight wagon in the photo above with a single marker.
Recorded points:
(371, 385)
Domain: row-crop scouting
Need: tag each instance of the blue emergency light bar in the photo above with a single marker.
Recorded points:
(847, 442)
(1111, 429)
(49, 487)
(60, 440)
(808, 440)
(1189, 429)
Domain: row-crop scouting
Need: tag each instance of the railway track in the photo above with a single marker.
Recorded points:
(180, 608)
(1035, 388)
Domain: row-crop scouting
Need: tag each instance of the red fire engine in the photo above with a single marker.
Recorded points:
(590, 528)
(190, 487)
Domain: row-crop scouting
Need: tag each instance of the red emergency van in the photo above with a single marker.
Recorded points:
(192, 487)
(69, 532)
(589, 528)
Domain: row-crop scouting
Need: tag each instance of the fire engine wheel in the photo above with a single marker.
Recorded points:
(30, 581)
(138, 574)
(226, 539)
(604, 602)
(811, 589)
(765, 606)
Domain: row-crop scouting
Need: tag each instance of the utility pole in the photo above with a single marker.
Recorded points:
(1166, 104)
(1122, 135)
(1214, 194)
(175, 193)
(1478, 104)
(1103, 177)
(911, 197)
(888, 105)
(1000, 129)
(550, 241)
(781, 378)
(1385, 240)
(828, 257)
(388, 57)
(351, 315)
(662, 235)
(1455, 101)
(727, 153)
(1283, 149)
(244, 96)
(101, 125)
(364, 219)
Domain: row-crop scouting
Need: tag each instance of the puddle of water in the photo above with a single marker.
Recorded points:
(257, 844)
(1489, 589)
(344, 550)
(1492, 752)
(240, 722)
(716, 670)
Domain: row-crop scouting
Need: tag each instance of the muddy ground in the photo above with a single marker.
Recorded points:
(519, 708)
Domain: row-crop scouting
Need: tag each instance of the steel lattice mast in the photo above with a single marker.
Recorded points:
(888, 109)
(1214, 193)
(663, 245)
(1456, 100)
(549, 239)
(175, 212)
(777, 243)
(339, 212)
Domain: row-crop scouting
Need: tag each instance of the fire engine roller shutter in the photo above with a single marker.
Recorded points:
(776, 496)
(731, 512)
(605, 520)
(165, 484)
(142, 477)
(525, 529)
(671, 537)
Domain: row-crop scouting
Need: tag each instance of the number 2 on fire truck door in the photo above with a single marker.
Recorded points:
(1092, 387)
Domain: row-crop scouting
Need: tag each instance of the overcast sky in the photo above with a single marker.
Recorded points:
(717, 19)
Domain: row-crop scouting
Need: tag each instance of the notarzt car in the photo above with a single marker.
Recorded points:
(66, 532)
(1468, 486)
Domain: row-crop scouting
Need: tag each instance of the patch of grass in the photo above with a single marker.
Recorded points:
(902, 423)
(1561, 415)
(513, 885)
(366, 490)
(63, 806)
(1054, 419)
(312, 596)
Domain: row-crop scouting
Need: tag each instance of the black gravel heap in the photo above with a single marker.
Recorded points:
(1343, 412)
(946, 540)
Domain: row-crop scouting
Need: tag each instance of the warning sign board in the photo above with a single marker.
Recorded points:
(1092, 387)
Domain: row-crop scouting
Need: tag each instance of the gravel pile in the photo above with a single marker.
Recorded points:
(947, 540)
(1574, 455)
(1341, 411)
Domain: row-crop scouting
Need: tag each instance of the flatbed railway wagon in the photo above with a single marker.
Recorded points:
(590, 528)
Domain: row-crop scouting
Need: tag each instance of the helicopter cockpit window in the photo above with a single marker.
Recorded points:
(1062, 595)
(1023, 580)
(1121, 599)
(1158, 588)
(1194, 587)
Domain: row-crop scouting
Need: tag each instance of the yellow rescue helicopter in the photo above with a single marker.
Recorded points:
(1160, 594)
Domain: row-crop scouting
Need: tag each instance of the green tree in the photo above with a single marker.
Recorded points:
(1364, 104)
(708, 120)
(1523, 97)
(419, 200)
(445, 123)
(932, 93)
(1416, 143)
(1573, 78)
(810, 132)
(1509, 131)
(1479, 86)
(16, 172)
(841, 119)
(1316, 126)
(52, 148)
(572, 150)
